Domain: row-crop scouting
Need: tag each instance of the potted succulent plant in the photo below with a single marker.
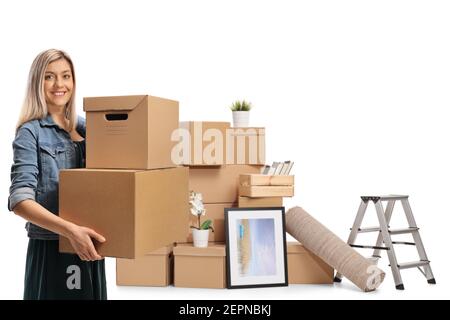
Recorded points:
(200, 233)
(241, 113)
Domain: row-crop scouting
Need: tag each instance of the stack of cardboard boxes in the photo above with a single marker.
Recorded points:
(141, 164)
(212, 175)
(130, 192)
(219, 155)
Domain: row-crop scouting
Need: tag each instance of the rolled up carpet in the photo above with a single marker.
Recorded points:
(322, 242)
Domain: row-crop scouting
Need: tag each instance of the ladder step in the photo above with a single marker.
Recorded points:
(404, 242)
(371, 229)
(391, 231)
(413, 264)
(403, 231)
(367, 247)
(384, 198)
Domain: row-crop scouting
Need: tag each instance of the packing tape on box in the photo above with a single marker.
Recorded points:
(322, 242)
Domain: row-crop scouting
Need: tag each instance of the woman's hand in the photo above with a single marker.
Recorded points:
(79, 237)
(81, 240)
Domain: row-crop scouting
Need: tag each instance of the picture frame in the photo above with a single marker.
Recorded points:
(256, 247)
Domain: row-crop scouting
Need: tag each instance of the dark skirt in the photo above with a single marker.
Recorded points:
(50, 274)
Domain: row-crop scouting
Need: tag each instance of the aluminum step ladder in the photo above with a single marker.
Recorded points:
(384, 236)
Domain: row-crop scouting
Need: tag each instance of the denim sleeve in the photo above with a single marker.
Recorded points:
(25, 170)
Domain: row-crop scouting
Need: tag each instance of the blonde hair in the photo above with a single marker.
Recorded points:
(34, 106)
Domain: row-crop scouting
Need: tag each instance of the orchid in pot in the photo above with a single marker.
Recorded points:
(200, 233)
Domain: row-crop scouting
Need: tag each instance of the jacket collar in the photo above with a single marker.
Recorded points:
(48, 122)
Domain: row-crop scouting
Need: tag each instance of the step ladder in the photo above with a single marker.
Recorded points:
(384, 236)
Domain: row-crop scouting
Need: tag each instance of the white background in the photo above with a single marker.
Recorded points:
(355, 92)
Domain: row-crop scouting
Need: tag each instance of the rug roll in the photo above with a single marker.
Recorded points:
(325, 244)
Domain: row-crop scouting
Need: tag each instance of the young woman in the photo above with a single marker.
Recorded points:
(50, 137)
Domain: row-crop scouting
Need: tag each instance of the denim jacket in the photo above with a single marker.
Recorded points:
(41, 148)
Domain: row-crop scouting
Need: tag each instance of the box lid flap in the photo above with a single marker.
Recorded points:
(125, 103)
(162, 251)
(213, 250)
(295, 247)
(120, 171)
(265, 180)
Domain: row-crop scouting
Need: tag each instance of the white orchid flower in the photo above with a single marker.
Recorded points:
(197, 207)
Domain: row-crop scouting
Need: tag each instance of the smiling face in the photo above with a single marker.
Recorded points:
(58, 84)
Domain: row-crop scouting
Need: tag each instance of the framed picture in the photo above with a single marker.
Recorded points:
(256, 247)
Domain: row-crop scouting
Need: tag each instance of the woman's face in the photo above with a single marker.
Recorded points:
(58, 83)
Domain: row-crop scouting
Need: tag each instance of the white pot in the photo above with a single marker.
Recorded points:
(200, 238)
(240, 119)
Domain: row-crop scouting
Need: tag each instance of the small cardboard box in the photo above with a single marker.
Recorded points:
(266, 191)
(200, 267)
(137, 211)
(246, 146)
(130, 132)
(265, 180)
(206, 142)
(246, 202)
(219, 184)
(215, 212)
(152, 270)
(305, 267)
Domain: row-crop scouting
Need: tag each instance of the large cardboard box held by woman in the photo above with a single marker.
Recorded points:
(137, 211)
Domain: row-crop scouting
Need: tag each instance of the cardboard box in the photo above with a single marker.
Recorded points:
(266, 191)
(265, 180)
(136, 211)
(215, 212)
(206, 142)
(246, 146)
(200, 267)
(305, 267)
(218, 184)
(153, 270)
(246, 202)
(130, 132)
